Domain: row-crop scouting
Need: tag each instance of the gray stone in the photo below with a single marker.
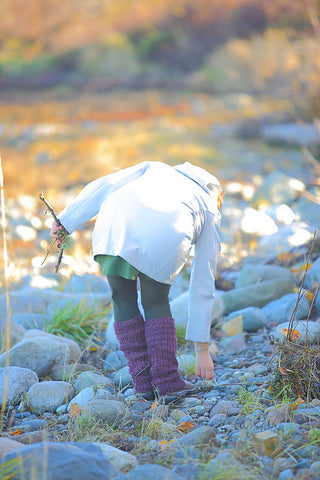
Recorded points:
(255, 295)
(29, 320)
(179, 308)
(19, 381)
(88, 284)
(123, 378)
(226, 407)
(292, 134)
(112, 412)
(307, 329)
(309, 451)
(232, 345)
(217, 420)
(91, 379)
(253, 318)
(58, 460)
(306, 414)
(199, 437)
(315, 467)
(186, 364)
(287, 474)
(16, 331)
(121, 460)
(32, 425)
(313, 276)
(156, 472)
(84, 300)
(73, 348)
(30, 300)
(7, 445)
(284, 240)
(224, 461)
(87, 394)
(68, 373)
(48, 396)
(114, 361)
(110, 334)
(280, 310)
(309, 211)
(38, 354)
(252, 274)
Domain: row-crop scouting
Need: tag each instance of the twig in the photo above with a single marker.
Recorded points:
(62, 234)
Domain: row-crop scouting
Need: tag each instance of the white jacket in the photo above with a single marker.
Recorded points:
(152, 215)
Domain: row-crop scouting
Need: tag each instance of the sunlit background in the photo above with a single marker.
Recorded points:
(91, 86)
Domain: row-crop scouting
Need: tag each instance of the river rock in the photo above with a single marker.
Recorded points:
(232, 345)
(252, 274)
(48, 396)
(16, 331)
(280, 310)
(308, 211)
(85, 300)
(30, 300)
(88, 284)
(123, 378)
(186, 364)
(123, 461)
(8, 445)
(110, 334)
(199, 437)
(285, 239)
(38, 354)
(91, 379)
(19, 381)
(227, 407)
(58, 460)
(87, 394)
(29, 320)
(224, 464)
(114, 361)
(112, 412)
(313, 276)
(255, 295)
(73, 348)
(307, 329)
(253, 318)
(68, 372)
(291, 134)
(179, 308)
(154, 471)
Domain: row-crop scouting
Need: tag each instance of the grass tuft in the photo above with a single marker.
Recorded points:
(78, 321)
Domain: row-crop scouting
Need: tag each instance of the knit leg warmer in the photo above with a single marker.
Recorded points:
(132, 340)
(162, 346)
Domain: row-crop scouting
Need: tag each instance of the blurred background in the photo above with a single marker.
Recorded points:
(90, 86)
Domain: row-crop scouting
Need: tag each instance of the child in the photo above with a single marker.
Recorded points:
(149, 218)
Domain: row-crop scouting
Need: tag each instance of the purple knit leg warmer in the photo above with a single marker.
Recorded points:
(132, 340)
(162, 347)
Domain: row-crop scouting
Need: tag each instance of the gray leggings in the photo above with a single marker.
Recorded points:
(154, 298)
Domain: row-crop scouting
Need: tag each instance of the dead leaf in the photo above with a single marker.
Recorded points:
(185, 426)
(290, 334)
(154, 405)
(283, 371)
(75, 410)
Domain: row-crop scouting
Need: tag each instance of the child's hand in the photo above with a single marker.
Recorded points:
(204, 363)
(58, 232)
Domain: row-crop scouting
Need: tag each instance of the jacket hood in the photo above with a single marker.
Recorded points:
(206, 180)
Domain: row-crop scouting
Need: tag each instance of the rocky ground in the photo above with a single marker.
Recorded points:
(70, 401)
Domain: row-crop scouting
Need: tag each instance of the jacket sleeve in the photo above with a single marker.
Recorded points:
(202, 280)
(87, 204)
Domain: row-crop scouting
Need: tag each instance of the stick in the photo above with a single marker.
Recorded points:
(56, 219)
